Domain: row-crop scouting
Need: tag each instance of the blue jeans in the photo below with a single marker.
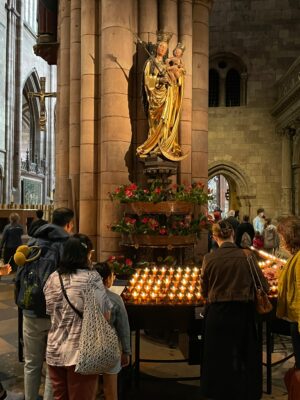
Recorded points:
(296, 343)
(35, 332)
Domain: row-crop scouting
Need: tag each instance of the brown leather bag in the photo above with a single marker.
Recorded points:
(262, 301)
(292, 385)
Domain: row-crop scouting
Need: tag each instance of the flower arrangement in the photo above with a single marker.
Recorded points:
(159, 225)
(193, 193)
(121, 265)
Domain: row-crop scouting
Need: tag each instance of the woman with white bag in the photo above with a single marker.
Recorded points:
(74, 293)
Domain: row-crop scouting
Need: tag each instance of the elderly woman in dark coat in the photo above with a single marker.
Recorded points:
(231, 365)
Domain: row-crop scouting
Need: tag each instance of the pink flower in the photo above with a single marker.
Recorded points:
(145, 220)
(117, 190)
(146, 191)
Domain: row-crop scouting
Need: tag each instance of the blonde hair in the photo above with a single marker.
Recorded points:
(14, 218)
(222, 230)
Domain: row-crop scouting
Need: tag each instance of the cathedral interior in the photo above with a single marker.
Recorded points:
(73, 126)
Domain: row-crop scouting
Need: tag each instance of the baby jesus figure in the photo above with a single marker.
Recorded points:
(175, 66)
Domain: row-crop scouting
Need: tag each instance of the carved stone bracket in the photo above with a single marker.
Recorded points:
(159, 168)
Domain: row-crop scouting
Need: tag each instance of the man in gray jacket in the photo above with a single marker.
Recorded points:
(35, 328)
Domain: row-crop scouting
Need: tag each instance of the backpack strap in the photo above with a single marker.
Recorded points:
(67, 298)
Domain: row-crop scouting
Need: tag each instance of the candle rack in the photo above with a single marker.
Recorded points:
(164, 285)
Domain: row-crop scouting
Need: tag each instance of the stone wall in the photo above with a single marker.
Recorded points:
(16, 65)
(265, 36)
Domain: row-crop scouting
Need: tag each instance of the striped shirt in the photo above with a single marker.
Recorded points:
(64, 334)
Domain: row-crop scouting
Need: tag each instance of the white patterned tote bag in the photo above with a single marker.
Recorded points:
(98, 346)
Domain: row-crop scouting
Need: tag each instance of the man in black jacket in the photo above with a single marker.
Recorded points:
(35, 225)
(35, 328)
(244, 227)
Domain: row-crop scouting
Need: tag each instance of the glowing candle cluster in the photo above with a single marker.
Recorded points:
(271, 267)
(162, 285)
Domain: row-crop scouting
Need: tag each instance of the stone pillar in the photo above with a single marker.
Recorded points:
(18, 108)
(10, 103)
(286, 173)
(88, 134)
(117, 49)
(62, 192)
(168, 20)
(200, 90)
(296, 172)
(74, 117)
(147, 27)
(185, 18)
(200, 102)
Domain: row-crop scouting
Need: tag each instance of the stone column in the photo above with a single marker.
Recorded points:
(117, 49)
(10, 103)
(296, 172)
(18, 107)
(185, 18)
(168, 20)
(200, 102)
(286, 173)
(200, 90)
(147, 27)
(88, 134)
(74, 117)
(62, 192)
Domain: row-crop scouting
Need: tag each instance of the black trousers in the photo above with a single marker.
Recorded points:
(231, 367)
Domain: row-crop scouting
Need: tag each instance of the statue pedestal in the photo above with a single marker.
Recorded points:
(157, 167)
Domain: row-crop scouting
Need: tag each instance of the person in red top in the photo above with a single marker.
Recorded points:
(258, 241)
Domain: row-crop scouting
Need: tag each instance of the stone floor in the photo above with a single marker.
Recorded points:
(11, 371)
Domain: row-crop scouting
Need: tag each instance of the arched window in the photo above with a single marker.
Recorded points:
(33, 141)
(227, 81)
(214, 83)
(233, 88)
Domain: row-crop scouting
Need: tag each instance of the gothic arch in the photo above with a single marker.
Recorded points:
(237, 180)
(31, 138)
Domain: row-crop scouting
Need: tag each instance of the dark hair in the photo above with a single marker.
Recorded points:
(75, 254)
(289, 228)
(104, 269)
(246, 218)
(62, 216)
(260, 210)
(39, 213)
(222, 229)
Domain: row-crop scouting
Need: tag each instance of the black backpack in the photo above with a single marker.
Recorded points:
(31, 278)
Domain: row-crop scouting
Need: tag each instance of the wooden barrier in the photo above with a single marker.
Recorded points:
(27, 213)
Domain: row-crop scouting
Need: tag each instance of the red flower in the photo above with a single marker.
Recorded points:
(157, 190)
(128, 262)
(111, 258)
(163, 231)
(128, 193)
(132, 186)
(145, 220)
(117, 190)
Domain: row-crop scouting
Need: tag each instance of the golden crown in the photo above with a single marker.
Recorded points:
(164, 36)
(180, 46)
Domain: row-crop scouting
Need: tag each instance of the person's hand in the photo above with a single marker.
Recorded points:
(124, 360)
(164, 80)
(5, 270)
